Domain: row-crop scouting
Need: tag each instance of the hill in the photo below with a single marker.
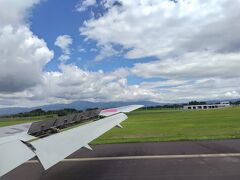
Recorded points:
(78, 105)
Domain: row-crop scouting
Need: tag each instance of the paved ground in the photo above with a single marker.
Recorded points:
(198, 160)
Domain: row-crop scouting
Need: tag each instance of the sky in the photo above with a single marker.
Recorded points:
(165, 51)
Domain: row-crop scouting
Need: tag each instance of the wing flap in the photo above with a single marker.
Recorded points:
(54, 148)
(13, 154)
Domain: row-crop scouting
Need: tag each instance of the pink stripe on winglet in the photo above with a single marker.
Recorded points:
(110, 110)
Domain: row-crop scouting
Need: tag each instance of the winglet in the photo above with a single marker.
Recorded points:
(123, 109)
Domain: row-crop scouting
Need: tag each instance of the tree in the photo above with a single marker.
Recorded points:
(197, 103)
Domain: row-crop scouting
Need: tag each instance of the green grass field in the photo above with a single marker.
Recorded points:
(168, 125)
(175, 125)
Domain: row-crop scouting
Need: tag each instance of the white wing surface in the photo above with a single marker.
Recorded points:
(13, 154)
(20, 136)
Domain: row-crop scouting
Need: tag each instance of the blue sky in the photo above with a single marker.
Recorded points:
(112, 50)
(51, 19)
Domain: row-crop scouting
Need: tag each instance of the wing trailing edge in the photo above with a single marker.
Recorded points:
(13, 154)
(54, 148)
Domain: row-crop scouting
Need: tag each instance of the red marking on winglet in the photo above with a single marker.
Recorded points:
(110, 110)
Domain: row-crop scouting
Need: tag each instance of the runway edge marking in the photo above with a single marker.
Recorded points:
(147, 157)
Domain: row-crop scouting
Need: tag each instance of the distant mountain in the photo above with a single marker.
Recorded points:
(13, 110)
(79, 105)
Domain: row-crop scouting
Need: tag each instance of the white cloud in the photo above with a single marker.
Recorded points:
(22, 54)
(64, 42)
(15, 12)
(72, 83)
(84, 4)
(184, 91)
(232, 94)
(163, 84)
(205, 89)
(192, 66)
(93, 50)
(105, 52)
(193, 41)
(163, 28)
(81, 50)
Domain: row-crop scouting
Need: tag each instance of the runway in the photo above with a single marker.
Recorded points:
(213, 160)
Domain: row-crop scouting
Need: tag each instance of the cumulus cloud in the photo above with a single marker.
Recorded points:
(192, 65)
(192, 41)
(15, 12)
(71, 83)
(204, 89)
(163, 28)
(106, 51)
(64, 42)
(84, 4)
(22, 54)
(177, 91)
(162, 84)
(22, 57)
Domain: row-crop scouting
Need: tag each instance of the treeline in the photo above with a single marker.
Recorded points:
(175, 106)
(235, 103)
(181, 105)
(168, 106)
(40, 112)
(63, 112)
(197, 103)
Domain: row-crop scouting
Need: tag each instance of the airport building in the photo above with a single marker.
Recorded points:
(208, 106)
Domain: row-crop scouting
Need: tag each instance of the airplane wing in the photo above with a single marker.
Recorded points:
(51, 148)
(13, 154)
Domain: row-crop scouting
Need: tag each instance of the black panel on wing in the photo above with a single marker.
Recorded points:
(65, 120)
(41, 126)
(52, 126)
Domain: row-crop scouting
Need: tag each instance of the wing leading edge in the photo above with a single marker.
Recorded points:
(17, 149)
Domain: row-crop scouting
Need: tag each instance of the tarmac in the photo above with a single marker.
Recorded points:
(189, 160)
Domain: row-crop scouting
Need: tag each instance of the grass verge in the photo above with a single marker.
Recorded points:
(167, 125)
